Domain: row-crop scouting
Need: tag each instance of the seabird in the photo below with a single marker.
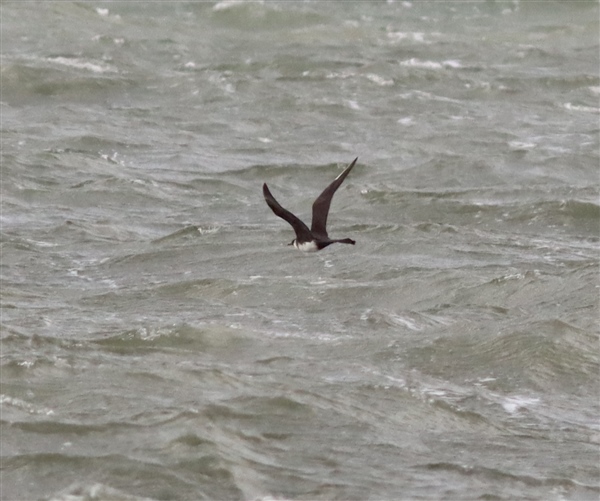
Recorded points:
(316, 238)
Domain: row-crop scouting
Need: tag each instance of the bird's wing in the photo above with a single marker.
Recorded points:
(321, 205)
(302, 232)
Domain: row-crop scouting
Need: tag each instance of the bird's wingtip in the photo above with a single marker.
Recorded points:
(266, 192)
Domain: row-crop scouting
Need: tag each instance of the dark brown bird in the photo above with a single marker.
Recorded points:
(316, 238)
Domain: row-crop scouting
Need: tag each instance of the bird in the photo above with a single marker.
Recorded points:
(316, 238)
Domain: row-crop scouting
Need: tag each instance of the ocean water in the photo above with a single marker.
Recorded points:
(159, 339)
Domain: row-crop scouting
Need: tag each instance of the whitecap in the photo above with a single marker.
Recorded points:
(431, 65)
(587, 109)
(81, 64)
(514, 404)
(379, 80)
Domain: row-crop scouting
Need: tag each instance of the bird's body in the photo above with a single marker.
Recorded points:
(306, 246)
(315, 238)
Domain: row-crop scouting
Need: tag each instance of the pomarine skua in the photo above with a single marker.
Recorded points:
(316, 238)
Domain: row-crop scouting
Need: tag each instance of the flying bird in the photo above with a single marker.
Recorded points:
(316, 238)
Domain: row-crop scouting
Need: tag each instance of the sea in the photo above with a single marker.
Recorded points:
(161, 341)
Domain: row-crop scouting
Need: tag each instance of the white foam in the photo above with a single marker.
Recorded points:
(81, 64)
(576, 107)
(411, 36)
(513, 405)
(518, 145)
(228, 4)
(431, 65)
(379, 80)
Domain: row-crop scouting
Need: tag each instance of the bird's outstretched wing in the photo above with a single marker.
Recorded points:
(302, 232)
(320, 208)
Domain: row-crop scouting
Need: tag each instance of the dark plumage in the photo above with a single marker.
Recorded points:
(316, 238)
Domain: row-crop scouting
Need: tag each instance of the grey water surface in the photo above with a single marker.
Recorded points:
(160, 340)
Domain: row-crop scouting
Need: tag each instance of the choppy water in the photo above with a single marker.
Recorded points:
(160, 341)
